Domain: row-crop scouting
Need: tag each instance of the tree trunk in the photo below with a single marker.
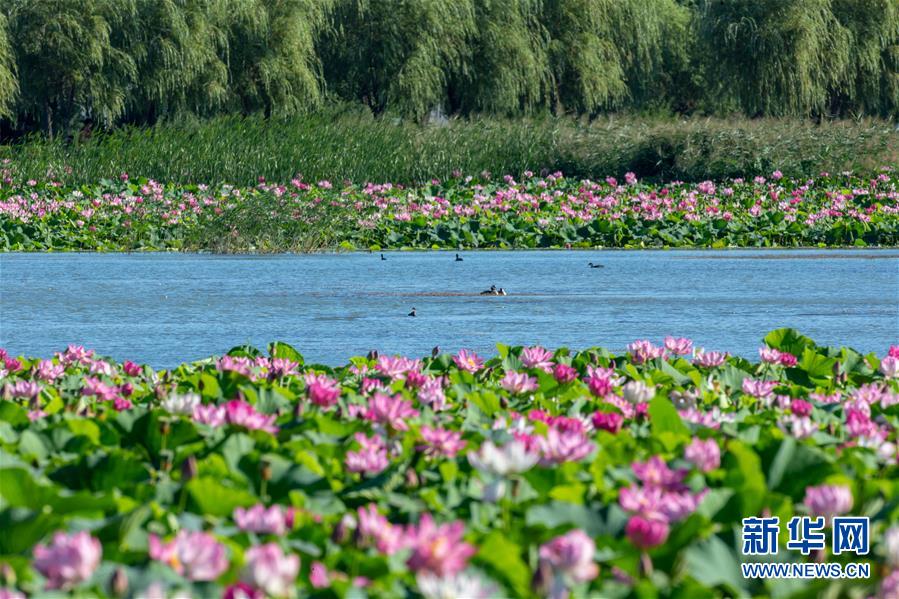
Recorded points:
(49, 118)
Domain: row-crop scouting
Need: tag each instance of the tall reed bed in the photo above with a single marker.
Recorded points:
(352, 145)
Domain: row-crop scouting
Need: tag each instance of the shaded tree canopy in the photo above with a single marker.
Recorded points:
(135, 61)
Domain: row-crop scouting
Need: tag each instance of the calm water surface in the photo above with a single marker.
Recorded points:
(167, 308)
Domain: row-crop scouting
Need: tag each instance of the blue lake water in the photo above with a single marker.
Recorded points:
(167, 308)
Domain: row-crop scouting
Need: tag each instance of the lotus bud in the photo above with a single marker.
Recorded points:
(412, 478)
(344, 529)
(118, 582)
(188, 468)
(543, 578)
(165, 426)
(167, 457)
(7, 575)
(265, 470)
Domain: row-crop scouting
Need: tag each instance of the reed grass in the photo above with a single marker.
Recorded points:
(352, 145)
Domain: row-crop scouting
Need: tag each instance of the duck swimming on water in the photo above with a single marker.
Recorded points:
(382, 257)
(412, 313)
(491, 291)
(591, 265)
(458, 258)
(501, 291)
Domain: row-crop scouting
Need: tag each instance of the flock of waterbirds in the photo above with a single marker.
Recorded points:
(494, 290)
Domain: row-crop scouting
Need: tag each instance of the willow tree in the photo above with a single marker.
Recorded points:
(397, 53)
(871, 84)
(9, 85)
(508, 69)
(776, 57)
(180, 50)
(69, 67)
(272, 63)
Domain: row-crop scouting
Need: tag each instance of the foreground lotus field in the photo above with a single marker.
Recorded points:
(462, 212)
(531, 473)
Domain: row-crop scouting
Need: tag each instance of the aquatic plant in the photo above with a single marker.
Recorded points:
(256, 474)
(462, 212)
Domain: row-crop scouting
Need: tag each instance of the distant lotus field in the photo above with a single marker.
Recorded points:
(463, 212)
(531, 473)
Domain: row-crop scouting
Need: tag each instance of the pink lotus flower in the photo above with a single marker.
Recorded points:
(889, 367)
(439, 549)
(46, 370)
(318, 576)
(599, 384)
(375, 528)
(390, 411)
(131, 369)
(788, 360)
(194, 555)
(559, 446)
(69, 560)
(431, 394)
(518, 382)
(643, 500)
(415, 379)
(705, 455)
(893, 351)
(240, 413)
(268, 569)
(758, 389)
(564, 373)
(76, 354)
(828, 500)
(823, 398)
(655, 472)
(468, 361)
(322, 390)
(799, 427)
(11, 594)
(273, 520)
(97, 388)
(537, 357)
(396, 366)
(646, 533)
(571, 556)
(371, 458)
(238, 590)
(800, 407)
(769, 355)
(709, 359)
(642, 351)
(210, 415)
(241, 365)
(23, 389)
(281, 367)
(608, 421)
(680, 346)
(441, 442)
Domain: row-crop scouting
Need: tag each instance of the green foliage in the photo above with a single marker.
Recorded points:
(9, 85)
(139, 61)
(67, 63)
(340, 144)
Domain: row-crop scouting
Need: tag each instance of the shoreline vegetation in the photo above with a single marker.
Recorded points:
(349, 143)
(458, 213)
(588, 472)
